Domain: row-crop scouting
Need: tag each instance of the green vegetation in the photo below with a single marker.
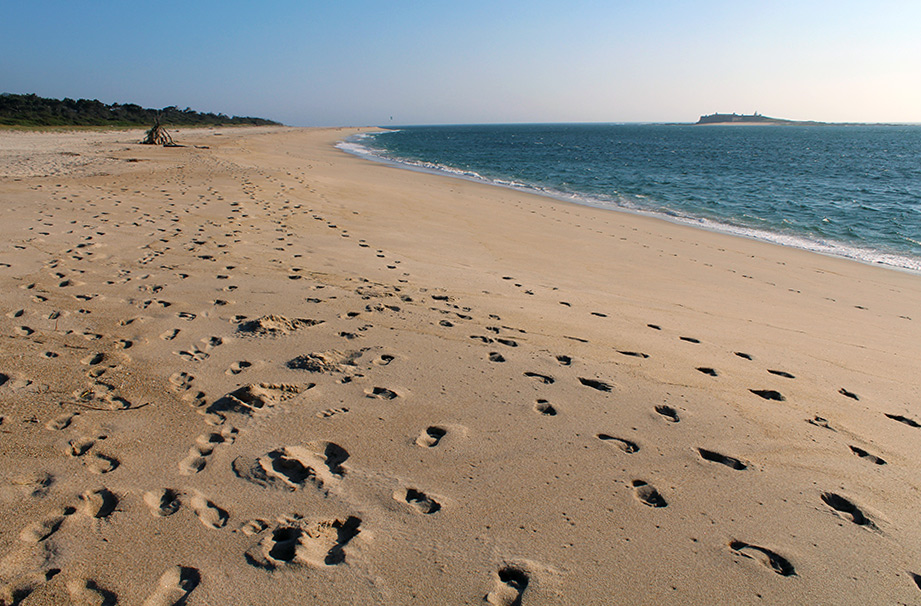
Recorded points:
(32, 110)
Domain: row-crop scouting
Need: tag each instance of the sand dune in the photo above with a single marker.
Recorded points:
(256, 370)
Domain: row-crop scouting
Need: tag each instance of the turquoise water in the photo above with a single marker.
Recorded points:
(849, 191)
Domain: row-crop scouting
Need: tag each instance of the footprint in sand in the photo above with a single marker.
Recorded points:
(208, 441)
(905, 420)
(40, 530)
(820, 422)
(238, 367)
(769, 559)
(546, 380)
(205, 445)
(381, 393)
(170, 334)
(744, 355)
(647, 494)
(79, 447)
(564, 360)
(634, 354)
(715, 457)
(173, 586)
(418, 500)
(768, 394)
(253, 527)
(495, 356)
(431, 436)
(198, 401)
(292, 467)
(194, 462)
(16, 591)
(208, 513)
(297, 541)
(510, 585)
(181, 381)
(846, 509)
(596, 384)
(212, 342)
(781, 373)
(863, 454)
(625, 445)
(61, 421)
(193, 354)
(85, 592)
(670, 414)
(19, 383)
(848, 394)
(100, 463)
(93, 359)
(254, 397)
(384, 360)
(97, 503)
(545, 408)
(707, 371)
(38, 484)
(162, 502)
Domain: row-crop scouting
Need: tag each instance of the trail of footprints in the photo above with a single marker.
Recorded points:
(769, 559)
(100, 503)
(509, 590)
(511, 583)
(293, 539)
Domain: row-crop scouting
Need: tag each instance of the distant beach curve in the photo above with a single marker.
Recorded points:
(851, 191)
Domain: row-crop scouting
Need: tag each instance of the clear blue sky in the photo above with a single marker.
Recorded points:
(360, 62)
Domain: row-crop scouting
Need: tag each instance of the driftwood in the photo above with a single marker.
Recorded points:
(158, 135)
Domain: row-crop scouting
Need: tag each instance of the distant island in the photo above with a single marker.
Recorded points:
(754, 118)
(32, 110)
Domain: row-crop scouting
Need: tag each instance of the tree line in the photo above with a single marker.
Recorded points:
(32, 110)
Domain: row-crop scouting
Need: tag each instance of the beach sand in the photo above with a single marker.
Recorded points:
(257, 370)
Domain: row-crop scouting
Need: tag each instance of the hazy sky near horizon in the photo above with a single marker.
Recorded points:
(361, 62)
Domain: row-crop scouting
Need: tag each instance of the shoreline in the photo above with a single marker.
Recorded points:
(841, 250)
(261, 358)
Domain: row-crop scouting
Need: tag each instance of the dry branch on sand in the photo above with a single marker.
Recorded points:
(157, 135)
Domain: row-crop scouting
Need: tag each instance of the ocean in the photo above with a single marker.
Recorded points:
(848, 191)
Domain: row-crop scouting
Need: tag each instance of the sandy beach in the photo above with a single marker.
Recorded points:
(258, 370)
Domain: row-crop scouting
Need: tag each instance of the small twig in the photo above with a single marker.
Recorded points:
(88, 407)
